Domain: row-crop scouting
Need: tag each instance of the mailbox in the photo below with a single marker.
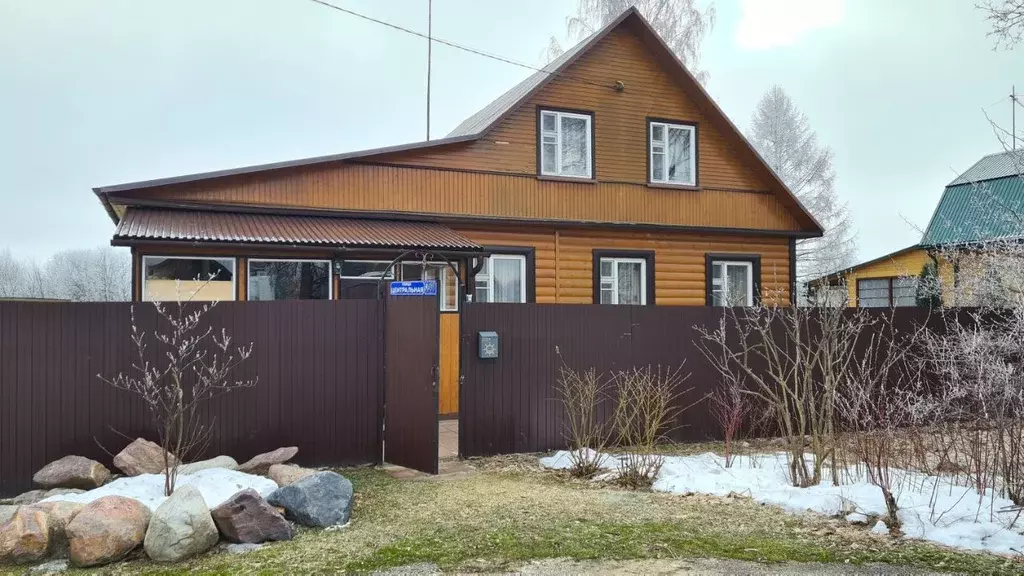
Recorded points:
(488, 345)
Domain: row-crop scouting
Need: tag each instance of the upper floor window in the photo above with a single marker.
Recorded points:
(673, 153)
(566, 142)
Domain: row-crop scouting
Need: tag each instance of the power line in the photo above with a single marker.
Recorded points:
(457, 46)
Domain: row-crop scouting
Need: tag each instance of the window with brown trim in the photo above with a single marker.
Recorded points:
(565, 143)
(624, 277)
(732, 279)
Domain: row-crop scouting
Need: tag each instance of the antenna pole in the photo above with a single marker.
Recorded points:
(1013, 115)
(430, 44)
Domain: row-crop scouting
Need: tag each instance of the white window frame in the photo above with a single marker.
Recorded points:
(442, 284)
(614, 278)
(248, 272)
(486, 278)
(234, 273)
(557, 135)
(389, 276)
(723, 281)
(651, 144)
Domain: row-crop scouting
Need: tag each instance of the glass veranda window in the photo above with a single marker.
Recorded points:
(673, 160)
(565, 144)
(289, 280)
(623, 281)
(447, 281)
(873, 293)
(182, 278)
(501, 279)
(732, 283)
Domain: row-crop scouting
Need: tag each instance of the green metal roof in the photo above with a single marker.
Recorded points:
(978, 211)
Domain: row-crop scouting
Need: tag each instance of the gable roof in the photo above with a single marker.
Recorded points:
(992, 209)
(839, 275)
(479, 124)
(998, 165)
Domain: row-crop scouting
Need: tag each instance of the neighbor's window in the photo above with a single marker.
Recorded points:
(732, 283)
(673, 153)
(447, 281)
(565, 144)
(289, 280)
(886, 292)
(173, 278)
(623, 281)
(502, 279)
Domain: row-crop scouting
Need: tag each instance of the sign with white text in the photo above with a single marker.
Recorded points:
(414, 288)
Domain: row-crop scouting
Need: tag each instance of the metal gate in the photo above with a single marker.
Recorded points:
(411, 348)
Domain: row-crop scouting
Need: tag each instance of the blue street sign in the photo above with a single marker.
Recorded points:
(414, 288)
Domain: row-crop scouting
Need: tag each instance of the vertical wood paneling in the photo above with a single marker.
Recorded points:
(318, 363)
(448, 396)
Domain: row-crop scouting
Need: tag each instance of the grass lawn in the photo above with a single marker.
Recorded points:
(509, 512)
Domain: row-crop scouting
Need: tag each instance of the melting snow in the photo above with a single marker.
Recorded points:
(215, 484)
(960, 517)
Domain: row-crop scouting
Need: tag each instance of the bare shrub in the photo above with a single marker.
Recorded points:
(648, 402)
(194, 366)
(731, 408)
(581, 394)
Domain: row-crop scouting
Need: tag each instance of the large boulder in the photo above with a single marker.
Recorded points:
(106, 530)
(30, 497)
(287, 474)
(321, 500)
(25, 537)
(246, 518)
(141, 457)
(60, 514)
(72, 472)
(226, 462)
(181, 527)
(7, 512)
(261, 463)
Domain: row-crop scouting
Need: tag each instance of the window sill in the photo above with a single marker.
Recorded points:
(674, 186)
(566, 179)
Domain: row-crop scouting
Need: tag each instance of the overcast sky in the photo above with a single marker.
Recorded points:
(97, 92)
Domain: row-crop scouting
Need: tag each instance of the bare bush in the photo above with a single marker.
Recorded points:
(586, 433)
(732, 409)
(194, 366)
(648, 402)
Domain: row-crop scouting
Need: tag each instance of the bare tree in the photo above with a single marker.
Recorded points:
(1006, 18)
(100, 274)
(12, 276)
(679, 22)
(194, 365)
(781, 133)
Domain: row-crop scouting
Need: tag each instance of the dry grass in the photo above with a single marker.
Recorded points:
(509, 512)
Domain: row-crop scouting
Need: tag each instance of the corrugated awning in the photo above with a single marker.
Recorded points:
(208, 226)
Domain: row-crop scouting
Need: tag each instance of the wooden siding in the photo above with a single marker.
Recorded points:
(906, 264)
(620, 121)
(448, 395)
(366, 188)
(564, 260)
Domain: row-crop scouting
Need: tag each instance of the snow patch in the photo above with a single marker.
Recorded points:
(880, 528)
(215, 484)
(961, 517)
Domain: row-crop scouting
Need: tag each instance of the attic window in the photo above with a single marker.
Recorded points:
(673, 153)
(565, 144)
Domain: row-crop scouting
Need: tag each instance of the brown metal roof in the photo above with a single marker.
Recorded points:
(209, 226)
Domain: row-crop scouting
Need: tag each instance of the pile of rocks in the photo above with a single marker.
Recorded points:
(38, 525)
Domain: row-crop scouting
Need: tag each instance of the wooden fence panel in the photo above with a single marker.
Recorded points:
(319, 366)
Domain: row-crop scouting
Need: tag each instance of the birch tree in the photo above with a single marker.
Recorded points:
(783, 136)
(680, 24)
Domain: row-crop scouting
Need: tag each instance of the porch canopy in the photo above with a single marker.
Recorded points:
(158, 225)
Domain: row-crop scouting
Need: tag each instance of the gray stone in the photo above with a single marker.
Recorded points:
(72, 472)
(51, 567)
(7, 512)
(141, 457)
(321, 500)
(247, 518)
(288, 474)
(226, 462)
(30, 497)
(243, 548)
(106, 530)
(261, 463)
(25, 537)
(59, 491)
(181, 527)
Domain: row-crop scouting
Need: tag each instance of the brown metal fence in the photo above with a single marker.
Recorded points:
(508, 405)
(319, 365)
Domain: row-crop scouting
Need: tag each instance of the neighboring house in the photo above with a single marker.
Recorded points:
(611, 177)
(983, 204)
